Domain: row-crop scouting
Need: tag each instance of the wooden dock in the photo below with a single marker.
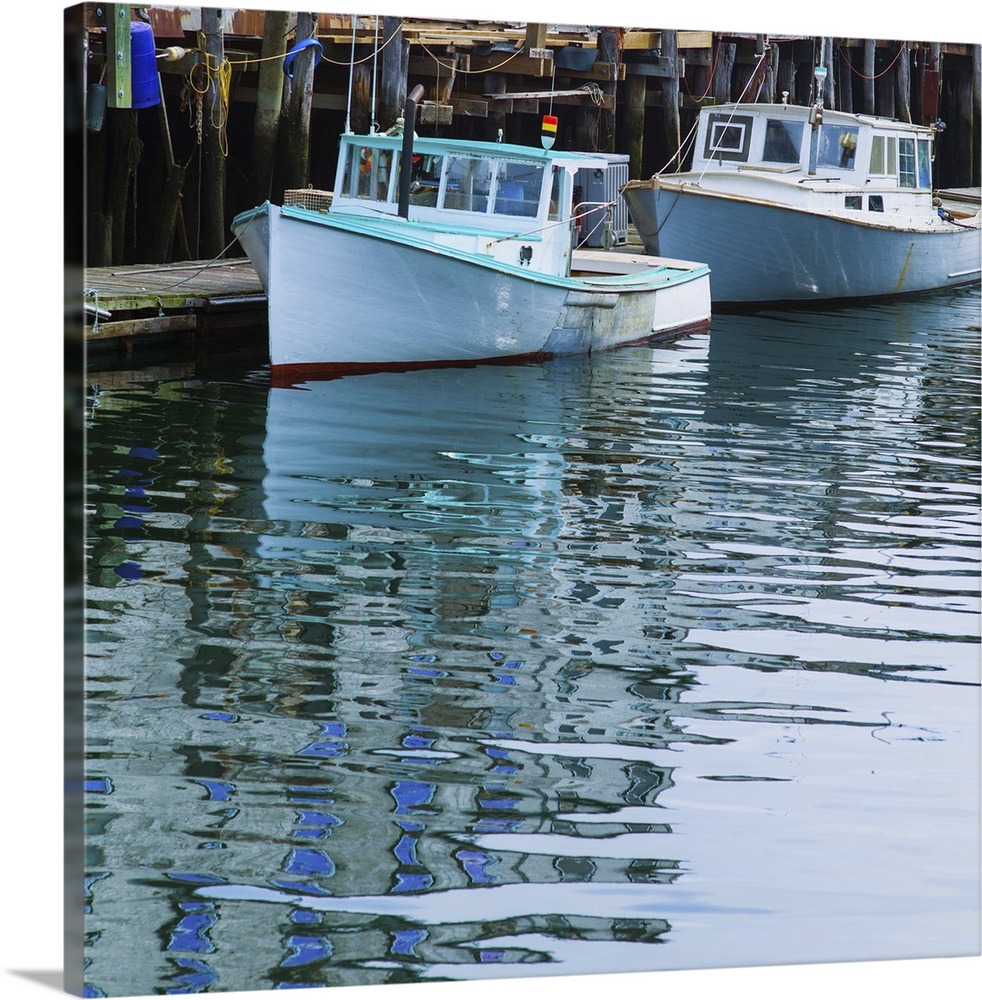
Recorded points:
(184, 304)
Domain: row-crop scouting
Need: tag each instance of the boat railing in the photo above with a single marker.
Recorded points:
(607, 220)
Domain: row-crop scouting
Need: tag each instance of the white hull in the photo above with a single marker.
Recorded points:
(344, 293)
(766, 252)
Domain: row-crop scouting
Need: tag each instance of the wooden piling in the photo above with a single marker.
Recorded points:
(295, 121)
(269, 101)
(608, 51)
(394, 72)
(670, 94)
(213, 234)
(786, 69)
(966, 101)
(930, 84)
(635, 94)
(769, 70)
(869, 77)
(125, 159)
(829, 89)
(886, 95)
(722, 79)
(902, 82)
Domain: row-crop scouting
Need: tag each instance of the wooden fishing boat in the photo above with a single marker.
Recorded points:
(442, 251)
(798, 204)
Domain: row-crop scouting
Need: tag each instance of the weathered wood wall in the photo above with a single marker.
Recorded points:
(164, 183)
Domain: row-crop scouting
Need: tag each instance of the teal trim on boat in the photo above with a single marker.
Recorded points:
(406, 233)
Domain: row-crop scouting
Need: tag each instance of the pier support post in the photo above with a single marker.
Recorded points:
(886, 92)
(269, 101)
(722, 81)
(869, 77)
(785, 72)
(966, 87)
(609, 50)
(846, 102)
(670, 95)
(295, 126)
(931, 84)
(213, 234)
(902, 96)
(635, 93)
(394, 73)
(770, 68)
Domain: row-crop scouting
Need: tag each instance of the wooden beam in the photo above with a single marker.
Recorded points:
(696, 40)
(604, 71)
(119, 63)
(663, 66)
(502, 62)
(535, 37)
(469, 107)
(641, 40)
(141, 326)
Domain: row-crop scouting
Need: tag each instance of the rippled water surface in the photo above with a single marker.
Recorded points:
(663, 659)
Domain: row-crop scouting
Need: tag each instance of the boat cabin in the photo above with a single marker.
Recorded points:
(480, 197)
(884, 160)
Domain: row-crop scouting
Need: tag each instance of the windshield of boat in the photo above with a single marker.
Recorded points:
(482, 184)
(782, 141)
(837, 146)
(465, 182)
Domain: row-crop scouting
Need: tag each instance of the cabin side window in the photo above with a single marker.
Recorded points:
(837, 147)
(468, 183)
(923, 163)
(782, 141)
(883, 155)
(368, 173)
(908, 166)
(425, 185)
(519, 185)
(728, 137)
(557, 199)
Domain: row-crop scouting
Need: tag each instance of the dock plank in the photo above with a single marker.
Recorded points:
(170, 286)
(147, 299)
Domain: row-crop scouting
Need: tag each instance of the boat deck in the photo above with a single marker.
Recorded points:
(967, 200)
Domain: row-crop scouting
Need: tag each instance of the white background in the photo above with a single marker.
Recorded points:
(30, 883)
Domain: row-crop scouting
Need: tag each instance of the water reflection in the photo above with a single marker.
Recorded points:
(535, 670)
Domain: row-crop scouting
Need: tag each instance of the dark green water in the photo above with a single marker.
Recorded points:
(664, 659)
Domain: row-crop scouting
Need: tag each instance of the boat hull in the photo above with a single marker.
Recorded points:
(342, 297)
(762, 252)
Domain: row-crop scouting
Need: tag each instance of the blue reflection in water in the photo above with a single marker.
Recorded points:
(537, 668)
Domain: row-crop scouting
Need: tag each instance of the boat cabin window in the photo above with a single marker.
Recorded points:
(837, 146)
(425, 185)
(915, 163)
(908, 173)
(782, 141)
(876, 202)
(369, 174)
(518, 188)
(468, 183)
(854, 201)
(883, 155)
(556, 199)
(728, 137)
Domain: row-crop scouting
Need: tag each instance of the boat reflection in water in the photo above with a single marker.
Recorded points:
(657, 661)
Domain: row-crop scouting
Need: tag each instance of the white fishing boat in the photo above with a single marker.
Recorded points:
(798, 204)
(439, 251)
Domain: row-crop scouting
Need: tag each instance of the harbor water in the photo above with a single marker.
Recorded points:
(661, 659)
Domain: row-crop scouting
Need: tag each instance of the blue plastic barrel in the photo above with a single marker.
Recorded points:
(144, 82)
